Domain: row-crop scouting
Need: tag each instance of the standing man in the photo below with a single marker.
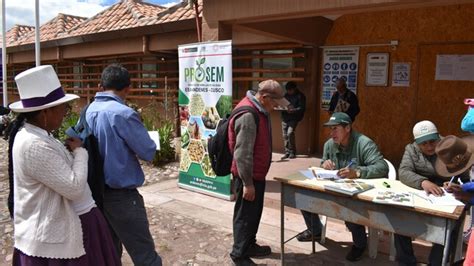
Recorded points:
(355, 156)
(252, 157)
(123, 139)
(344, 100)
(291, 117)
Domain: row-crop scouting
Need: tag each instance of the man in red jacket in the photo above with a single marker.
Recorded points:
(252, 158)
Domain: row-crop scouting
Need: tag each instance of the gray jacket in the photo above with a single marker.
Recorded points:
(417, 167)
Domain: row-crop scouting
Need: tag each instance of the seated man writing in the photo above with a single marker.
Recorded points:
(417, 170)
(356, 156)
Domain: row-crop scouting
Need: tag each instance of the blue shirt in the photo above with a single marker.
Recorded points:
(122, 140)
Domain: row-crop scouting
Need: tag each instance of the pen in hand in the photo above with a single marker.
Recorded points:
(451, 181)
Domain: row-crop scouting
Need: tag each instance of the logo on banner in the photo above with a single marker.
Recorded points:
(201, 73)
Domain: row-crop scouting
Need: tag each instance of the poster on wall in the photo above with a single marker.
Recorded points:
(205, 96)
(401, 74)
(455, 67)
(338, 62)
(377, 69)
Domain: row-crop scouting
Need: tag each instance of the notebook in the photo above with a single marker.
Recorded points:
(348, 186)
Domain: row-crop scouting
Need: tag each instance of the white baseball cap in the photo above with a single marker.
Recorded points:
(424, 131)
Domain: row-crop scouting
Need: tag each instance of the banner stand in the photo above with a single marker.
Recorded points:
(205, 97)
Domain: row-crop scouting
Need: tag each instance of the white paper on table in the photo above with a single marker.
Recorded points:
(156, 138)
(446, 200)
(325, 174)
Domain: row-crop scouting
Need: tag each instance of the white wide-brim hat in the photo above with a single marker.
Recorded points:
(39, 89)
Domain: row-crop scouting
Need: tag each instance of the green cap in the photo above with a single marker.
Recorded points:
(338, 118)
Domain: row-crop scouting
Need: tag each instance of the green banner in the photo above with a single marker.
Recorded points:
(205, 97)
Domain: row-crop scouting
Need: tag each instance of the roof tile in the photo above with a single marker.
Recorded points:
(125, 14)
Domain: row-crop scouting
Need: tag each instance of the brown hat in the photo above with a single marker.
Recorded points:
(273, 89)
(455, 155)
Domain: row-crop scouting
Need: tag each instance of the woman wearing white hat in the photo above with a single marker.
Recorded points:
(55, 218)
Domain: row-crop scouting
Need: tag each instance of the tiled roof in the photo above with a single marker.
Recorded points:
(53, 29)
(125, 14)
(177, 12)
(17, 32)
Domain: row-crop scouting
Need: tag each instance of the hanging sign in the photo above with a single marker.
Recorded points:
(377, 69)
(338, 63)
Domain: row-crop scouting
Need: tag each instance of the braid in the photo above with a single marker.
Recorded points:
(10, 134)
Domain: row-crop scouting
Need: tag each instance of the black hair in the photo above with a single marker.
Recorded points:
(290, 85)
(10, 134)
(115, 77)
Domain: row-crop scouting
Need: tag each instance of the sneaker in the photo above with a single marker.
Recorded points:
(292, 156)
(259, 251)
(355, 254)
(286, 156)
(306, 236)
(243, 262)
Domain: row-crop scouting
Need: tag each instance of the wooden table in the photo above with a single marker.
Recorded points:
(422, 223)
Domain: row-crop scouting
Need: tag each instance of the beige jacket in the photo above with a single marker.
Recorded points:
(46, 179)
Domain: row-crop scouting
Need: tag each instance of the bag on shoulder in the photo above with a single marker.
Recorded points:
(95, 164)
(218, 145)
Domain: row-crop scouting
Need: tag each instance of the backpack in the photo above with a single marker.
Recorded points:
(95, 164)
(218, 145)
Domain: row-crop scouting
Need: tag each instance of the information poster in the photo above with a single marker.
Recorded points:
(339, 63)
(455, 67)
(205, 96)
(401, 74)
(377, 69)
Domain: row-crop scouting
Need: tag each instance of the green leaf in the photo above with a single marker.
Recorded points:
(203, 60)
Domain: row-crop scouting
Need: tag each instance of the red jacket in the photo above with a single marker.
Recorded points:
(262, 149)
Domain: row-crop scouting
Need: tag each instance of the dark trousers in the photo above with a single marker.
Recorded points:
(125, 211)
(289, 129)
(246, 219)
(316, 226)
(406, 257)
(359, 237)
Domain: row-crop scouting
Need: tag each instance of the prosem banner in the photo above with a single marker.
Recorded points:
(340, 62)
(205, 96)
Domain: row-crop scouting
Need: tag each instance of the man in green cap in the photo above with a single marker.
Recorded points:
(355, 156)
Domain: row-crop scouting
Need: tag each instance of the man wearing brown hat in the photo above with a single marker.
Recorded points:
(355, 156)
(252, 157)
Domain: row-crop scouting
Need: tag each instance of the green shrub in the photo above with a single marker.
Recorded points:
(69, 120)
(167, 150)
(152, 121)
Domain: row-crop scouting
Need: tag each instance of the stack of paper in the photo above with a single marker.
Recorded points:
(324, 174)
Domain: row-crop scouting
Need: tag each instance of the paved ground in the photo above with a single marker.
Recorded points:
(194, 229)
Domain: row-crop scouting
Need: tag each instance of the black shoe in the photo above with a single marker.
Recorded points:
(305, 236)
(292, 156)
(286, 156)
(243, 262)
(355, 254)
(259, 251)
